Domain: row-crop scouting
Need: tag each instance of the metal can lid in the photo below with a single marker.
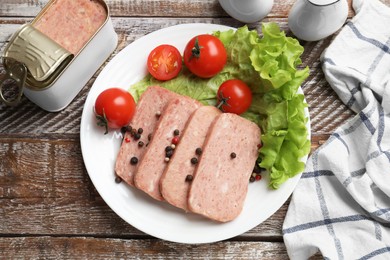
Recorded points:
(43, 57)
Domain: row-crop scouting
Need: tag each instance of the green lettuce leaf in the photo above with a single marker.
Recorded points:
(269, 65)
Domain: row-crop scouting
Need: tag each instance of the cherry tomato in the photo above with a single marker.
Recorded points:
(205, 55)
(234, 96)
(164, 62)
(114, 108)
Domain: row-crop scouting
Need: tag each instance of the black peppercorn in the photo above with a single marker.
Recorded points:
(252, 179)
(189, 178)
(233, 155)
(194, 160)
(169, 153)
(134, 160)
(257, 169)
(137, 136)
(176, 132)
(140, 130)
(140, 143)
(198, 151)
(149, 137)
(118, 179)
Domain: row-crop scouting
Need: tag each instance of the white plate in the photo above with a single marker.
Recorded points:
(152, 217)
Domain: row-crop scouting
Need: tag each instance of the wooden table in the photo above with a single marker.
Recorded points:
(49, 207)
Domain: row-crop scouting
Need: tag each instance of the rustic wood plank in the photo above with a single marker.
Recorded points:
(45, 189)
(97, 248)
(150, 8)
(80, 216)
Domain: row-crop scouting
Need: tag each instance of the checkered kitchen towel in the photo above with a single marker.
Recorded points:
(341, 206)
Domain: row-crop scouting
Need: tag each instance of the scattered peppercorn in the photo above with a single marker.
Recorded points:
(257, 168)
(140, 130)
(166, 159)
(127, 140)
(252, 179)
(169, 153)
(140, 143)
(134, 160)
(137, 136)
(173, 146)
(158, 113)
(233, 155)
(175, 140)
(118, 179)
(258, 177)
(189, 178)
(198, 151)
(123, 129)
(133, 132)
(168, 148)
(176, 132)
(194, 160)
(149, 137)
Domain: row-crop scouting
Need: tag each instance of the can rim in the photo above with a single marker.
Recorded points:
(33, 84)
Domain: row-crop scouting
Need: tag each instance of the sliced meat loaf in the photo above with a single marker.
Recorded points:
(220, 183)
(152, 101)
(173, 184)
(152, 165)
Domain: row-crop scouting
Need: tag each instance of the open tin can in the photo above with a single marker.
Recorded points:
(52, 58)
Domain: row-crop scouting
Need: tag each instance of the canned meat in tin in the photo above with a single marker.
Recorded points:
(60, 50)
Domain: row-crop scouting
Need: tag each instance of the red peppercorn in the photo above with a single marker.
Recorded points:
(175, 140)
(127, 140)
(258, 177)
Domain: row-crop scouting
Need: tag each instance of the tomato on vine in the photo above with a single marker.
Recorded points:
(205, 55)
(234, 96)
(114, 108)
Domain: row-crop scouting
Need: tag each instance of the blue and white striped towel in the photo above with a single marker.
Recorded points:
(341, 206)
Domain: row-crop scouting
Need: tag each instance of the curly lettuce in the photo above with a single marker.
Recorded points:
(269, 65)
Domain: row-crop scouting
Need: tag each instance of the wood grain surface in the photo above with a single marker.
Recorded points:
(49, 208)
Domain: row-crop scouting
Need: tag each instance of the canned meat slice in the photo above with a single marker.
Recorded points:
(220, 183)
(152, 102)
(174, 183)
(71, 23)
(155, 159)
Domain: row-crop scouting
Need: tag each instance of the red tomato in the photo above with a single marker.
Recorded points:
(114, 108)
(234, 96)
(205, 55)
(164, 62)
